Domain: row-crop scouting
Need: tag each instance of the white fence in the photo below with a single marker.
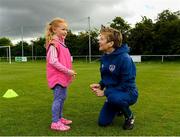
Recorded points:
(136, 58)
(161, 56)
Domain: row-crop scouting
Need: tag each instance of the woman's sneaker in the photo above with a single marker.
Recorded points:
(65, 121)
(129, 123)
(59, 126)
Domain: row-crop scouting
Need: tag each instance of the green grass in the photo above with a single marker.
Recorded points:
(157, 110)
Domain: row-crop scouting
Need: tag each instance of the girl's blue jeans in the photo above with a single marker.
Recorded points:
(60, 94)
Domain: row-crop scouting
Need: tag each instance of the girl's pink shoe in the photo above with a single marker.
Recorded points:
(65, 121)
(59, 126)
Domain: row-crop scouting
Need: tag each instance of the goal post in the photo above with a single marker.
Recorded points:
(8, 53)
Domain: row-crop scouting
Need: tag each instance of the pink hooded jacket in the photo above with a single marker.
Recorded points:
(55, 76)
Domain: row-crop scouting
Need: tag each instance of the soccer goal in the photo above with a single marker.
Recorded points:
(8, 53)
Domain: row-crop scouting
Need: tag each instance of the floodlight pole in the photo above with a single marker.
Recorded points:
(22, 40)
(89, 39)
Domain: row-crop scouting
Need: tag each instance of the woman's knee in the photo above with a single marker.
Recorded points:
(103, 123)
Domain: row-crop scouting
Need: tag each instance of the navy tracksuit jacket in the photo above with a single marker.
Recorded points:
(118, 73)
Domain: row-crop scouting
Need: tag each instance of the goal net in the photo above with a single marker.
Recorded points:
(7, 53)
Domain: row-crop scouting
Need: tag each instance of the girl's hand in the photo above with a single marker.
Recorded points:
(72, 73)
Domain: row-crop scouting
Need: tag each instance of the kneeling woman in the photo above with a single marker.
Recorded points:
(118, 73)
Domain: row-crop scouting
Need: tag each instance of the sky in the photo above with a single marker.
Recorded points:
(29, 17)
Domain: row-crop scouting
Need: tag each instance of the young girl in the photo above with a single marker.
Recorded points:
(59, 70)
(118, 75)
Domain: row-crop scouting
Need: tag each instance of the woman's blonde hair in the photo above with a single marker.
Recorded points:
(112, 34)
(51, 26)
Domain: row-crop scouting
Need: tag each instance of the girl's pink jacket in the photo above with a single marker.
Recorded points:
(54, 76)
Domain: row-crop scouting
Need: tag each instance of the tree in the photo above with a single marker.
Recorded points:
(5, 42)
(72, 43)
(121, 25)
(161, 37)
(167, 32)
(17, 49)
(94, 42)
(39, 46)
(141, 37)
(167, 15)
(79, 44)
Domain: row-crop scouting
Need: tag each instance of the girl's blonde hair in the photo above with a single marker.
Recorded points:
(51, 26)
(112, 34)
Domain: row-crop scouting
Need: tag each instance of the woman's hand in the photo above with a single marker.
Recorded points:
(99, 93)
(96, 88)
